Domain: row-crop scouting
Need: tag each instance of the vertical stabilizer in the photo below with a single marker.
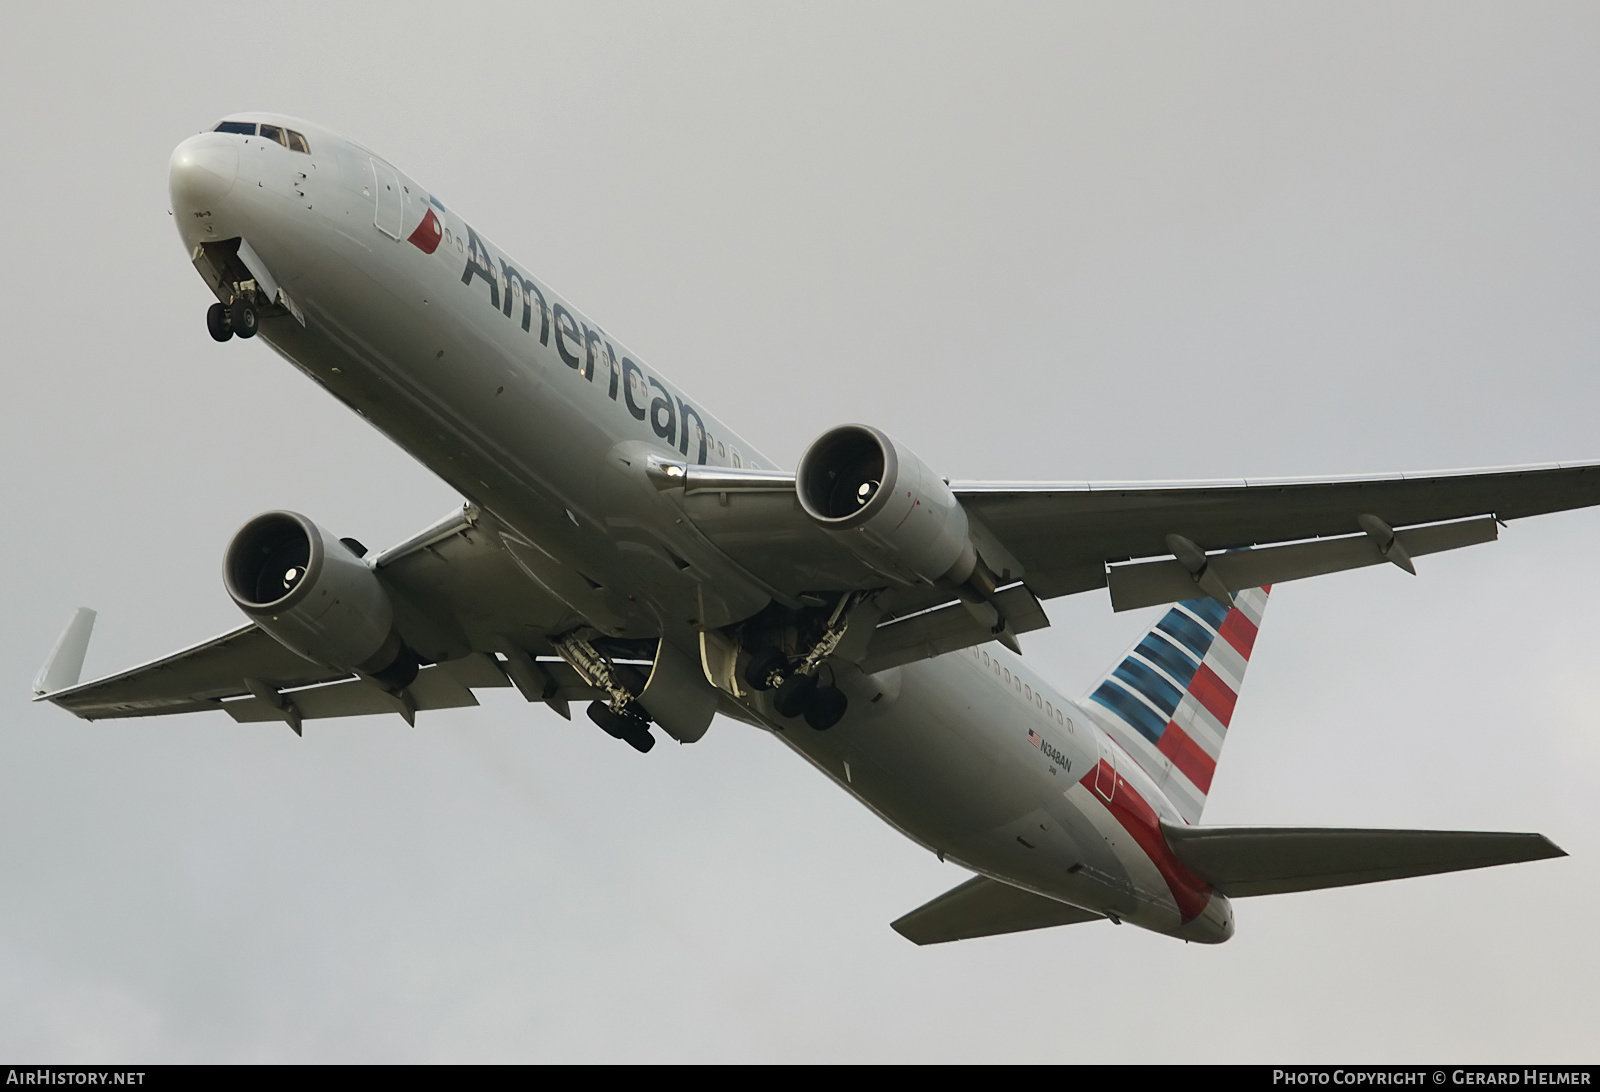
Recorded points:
(1169, 702)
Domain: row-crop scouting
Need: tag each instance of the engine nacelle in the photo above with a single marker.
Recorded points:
(316, 597)
(886, 506)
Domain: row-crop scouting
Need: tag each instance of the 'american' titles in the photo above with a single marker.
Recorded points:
(583, 349)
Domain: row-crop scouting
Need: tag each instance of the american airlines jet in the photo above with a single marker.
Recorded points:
(622, 546)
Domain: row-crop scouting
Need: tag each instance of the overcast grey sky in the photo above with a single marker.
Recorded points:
(1032, 241)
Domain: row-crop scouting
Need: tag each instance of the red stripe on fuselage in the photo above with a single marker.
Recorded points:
(1188, 756)
(1239, 632)
(1129, 809)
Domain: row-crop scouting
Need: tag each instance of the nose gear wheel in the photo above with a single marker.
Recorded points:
(218, 324)
(243, 317)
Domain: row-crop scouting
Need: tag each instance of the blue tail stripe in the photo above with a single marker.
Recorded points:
(1143, 718)
(1168, 657)
(1208, 610)
(1189, 633)
(1141, 677)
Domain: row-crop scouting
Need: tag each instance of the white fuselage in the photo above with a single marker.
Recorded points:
(536, 415)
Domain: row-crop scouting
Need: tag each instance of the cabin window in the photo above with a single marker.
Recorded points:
(736, 461)
(1007, 675)
(1028, 692)
(722, 451)
(243, 128)
(297, 143)
(273, 132)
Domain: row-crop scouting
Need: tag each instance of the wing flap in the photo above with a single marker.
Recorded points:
(982, 907)
(1245, 861)
(948, 628)
(1152, 583)
(441, 686)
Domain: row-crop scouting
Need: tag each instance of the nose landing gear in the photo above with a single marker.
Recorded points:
(217, 323)
(240, 317)
(243, 317)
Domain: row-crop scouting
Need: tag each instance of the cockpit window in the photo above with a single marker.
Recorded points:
(272, 132)
(297, 143)
(243, 128)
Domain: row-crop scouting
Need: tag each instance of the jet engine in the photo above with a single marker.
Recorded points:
(886, 506)
(315, 596)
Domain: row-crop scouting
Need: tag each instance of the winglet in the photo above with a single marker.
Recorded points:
(65, 664)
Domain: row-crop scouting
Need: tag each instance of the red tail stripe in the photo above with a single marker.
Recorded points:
(1217, 696)
(1189, 892)
(1239, 632)
(1187, 755)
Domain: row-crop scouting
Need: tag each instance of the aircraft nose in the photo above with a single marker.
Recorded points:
(202, 171)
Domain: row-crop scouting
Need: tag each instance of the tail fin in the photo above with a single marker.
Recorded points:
(1169, 701)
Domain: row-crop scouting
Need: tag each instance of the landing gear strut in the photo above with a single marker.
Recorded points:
(622, 717)
(799, 694)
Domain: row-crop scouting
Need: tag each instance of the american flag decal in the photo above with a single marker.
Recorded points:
(1034, 737)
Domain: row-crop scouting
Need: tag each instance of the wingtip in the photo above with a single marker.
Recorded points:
(64, 666)
(1553, 850)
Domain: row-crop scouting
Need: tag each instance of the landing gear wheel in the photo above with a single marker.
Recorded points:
(758, 676)
(242, 315)
(218, 323)
(827, 707)
(634, 731)
(614, 724)
(794, 696)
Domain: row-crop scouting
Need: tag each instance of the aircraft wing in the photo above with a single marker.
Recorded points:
(1062, 533)
(458, 589)
(1155, 542)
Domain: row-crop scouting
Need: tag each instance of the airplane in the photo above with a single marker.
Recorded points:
(620, 545)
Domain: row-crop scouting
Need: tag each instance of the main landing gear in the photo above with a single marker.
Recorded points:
(622, 717)
(627, 725)
(799, 694)
(239, 317)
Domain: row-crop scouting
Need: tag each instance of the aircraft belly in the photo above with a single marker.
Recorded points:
(947, 761)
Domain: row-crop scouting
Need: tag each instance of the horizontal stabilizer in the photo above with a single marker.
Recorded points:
(982, 907)
(1243, 861)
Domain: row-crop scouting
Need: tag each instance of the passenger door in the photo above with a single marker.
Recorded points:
(389, 211)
